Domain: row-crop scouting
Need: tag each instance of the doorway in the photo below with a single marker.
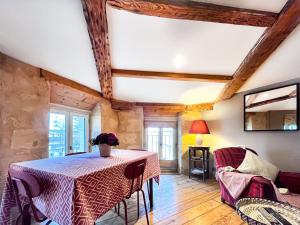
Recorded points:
(160, 137)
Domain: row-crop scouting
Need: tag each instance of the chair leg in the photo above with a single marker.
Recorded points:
(118, 209)
(26, 217)
(19, 220)
(49, 222)
(125, 211)
(148, 190)
(138, 203)
(144, 198)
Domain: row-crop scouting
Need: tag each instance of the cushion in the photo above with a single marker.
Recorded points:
(253, 164)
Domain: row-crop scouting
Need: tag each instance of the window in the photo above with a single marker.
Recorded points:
(68, 131)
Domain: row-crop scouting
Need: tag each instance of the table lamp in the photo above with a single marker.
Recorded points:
(199, 127)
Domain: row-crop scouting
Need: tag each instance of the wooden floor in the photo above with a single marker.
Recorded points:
(179, 200)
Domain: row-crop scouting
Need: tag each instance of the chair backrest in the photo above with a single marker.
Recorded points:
(25, 185)
(232, 156)
(135, 172)
(74, 153)
(138, 149)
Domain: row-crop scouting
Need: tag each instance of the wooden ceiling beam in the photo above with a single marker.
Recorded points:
(287, 21)
(160, 108)
(67, 82)
(121, 105)
(193, 10)
(95, 16)
(269, 101)
(174, 108)
(171, 76)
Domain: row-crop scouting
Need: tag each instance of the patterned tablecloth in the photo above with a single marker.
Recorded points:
(80, 188)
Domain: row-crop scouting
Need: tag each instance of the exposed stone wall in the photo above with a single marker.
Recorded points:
(131, 128)
(109, 117)
(128, 125)
(24, 107)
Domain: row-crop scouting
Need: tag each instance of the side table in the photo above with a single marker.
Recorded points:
(199, 161)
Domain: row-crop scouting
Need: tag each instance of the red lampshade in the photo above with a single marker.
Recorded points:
(199, 127)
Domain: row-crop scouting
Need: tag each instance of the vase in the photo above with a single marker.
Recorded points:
(105, 150)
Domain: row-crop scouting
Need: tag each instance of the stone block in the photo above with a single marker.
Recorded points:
(29, 138)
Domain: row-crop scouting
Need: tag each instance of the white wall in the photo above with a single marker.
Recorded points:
(227, 129)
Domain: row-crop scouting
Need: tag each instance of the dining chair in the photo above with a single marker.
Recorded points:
(74, 153)
(26, 186)
(135, 173)
(140, 149)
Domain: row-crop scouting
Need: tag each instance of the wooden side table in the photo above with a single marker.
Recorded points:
(199, 155)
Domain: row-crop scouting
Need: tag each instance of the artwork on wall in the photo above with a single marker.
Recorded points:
(272, 110)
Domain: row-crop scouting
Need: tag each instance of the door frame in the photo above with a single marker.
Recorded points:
(164, 164)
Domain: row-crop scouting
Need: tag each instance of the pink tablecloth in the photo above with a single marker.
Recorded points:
(80, 188)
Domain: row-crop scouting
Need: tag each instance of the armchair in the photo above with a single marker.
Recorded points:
(259, 187)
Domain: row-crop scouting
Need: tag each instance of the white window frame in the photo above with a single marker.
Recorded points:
(69, 112)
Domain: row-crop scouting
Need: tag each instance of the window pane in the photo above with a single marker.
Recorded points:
(168, 144)
(153, 139)
(57, 135)
(78, 134)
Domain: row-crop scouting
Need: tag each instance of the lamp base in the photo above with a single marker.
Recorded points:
(199, 139)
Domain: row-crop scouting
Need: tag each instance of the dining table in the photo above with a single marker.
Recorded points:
(79, 189)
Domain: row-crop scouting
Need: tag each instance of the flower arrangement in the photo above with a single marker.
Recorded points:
(105, 138)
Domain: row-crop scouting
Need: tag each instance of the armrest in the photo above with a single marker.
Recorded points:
(290, 181)
(260, 187)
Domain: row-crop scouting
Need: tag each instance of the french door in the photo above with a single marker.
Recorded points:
(68, 131)
(162, 139)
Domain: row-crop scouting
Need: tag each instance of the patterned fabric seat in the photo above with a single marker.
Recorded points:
(259, 187)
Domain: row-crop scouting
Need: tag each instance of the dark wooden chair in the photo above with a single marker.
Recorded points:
(75, 153)
(26, 187)
(135, 173)
(148, 189)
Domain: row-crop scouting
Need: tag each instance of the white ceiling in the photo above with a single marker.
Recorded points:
(167, 91)
(139, 42)
(149, 43)
(264, 5)
(282, 65)
(51, 34)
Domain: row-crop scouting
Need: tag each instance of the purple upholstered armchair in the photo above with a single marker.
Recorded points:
(259, 187)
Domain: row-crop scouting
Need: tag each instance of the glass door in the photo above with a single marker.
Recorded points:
(68, 132)
(163, 141)
(78, 132)
(57, 134)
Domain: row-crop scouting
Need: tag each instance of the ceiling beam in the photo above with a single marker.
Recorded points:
(67, 82)
(160, 108)
(193, 10)
(269, 101)
(121, 105)
(171, 76)
(287, 21)
(95, 16)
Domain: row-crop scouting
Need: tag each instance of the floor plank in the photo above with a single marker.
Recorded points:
(179, 200)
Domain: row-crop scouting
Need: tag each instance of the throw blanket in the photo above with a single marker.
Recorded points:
(234, 181)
